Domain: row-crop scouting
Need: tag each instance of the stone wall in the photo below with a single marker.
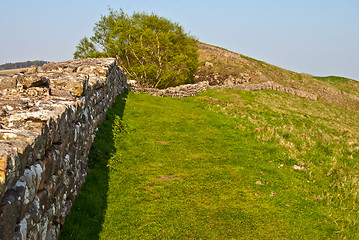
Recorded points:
(270, 86)
(48, 118)
(189, 90)
(186, 90)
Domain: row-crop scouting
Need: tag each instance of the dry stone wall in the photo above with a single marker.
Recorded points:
(186, 90)
(189, 90)
(48, 118)
(270, 86)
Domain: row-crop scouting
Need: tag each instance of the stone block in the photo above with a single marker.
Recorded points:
(32, 80)
(8, 82)
(8, 217)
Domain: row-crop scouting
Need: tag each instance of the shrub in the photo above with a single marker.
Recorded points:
(151, 49)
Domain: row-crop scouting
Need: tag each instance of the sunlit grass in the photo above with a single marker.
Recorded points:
(226, 164)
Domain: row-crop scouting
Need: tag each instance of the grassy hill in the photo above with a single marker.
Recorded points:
(226, 164)
(218, 64)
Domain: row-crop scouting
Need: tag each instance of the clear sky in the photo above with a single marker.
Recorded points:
(320, 37)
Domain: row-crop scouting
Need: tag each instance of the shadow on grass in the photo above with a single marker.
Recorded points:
(88, 212)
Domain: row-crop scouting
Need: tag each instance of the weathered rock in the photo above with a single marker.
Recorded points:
(8, 216)
(208, 64)
(32, 69)
(8, 82)
(32, 80)
(48, 118)
(233, 80)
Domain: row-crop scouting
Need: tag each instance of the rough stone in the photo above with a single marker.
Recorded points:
(8, 82)
(233, 80)
(32, 69)
(208, 64)
(8, 215)
(32, 80)
(48, 117)
(186, 90)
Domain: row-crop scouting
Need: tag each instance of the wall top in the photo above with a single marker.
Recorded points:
(32, 102)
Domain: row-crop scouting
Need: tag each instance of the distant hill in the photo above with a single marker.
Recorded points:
(218, 66)
(26, 64)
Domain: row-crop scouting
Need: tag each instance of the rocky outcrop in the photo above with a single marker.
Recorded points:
(231, 80)
(48, 118)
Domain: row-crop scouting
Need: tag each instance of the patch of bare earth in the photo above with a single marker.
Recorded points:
(168, 178)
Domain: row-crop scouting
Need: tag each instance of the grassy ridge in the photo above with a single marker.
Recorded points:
(341, 83)
(226, 164)
(216, 67)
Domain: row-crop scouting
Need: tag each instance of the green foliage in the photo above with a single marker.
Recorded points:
(87, 49)
(153, 50)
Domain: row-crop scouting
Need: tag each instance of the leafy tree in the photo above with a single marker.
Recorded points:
(151, 49)
(86, 49)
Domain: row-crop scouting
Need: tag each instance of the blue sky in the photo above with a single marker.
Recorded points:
(320, 37)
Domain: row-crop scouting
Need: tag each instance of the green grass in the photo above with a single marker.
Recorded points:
(334, 90)
(341, 83)
(220, 166)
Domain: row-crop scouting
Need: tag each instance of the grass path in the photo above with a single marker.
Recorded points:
(168, 168)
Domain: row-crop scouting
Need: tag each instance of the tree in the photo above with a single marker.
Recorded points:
(151, 49)
(86, 49)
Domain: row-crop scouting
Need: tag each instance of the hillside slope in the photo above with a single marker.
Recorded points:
(218, 66)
